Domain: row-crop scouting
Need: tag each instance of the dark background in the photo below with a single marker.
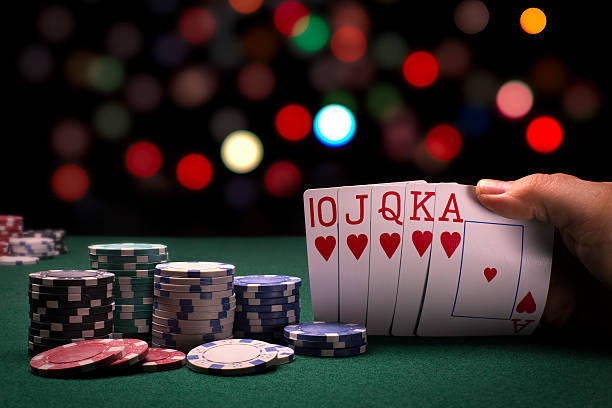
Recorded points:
(119, 203)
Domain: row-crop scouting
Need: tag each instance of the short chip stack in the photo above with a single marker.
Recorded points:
(327, 339)
(265, 304)
(133, 265)
(57, 235)
(68, 306)
(194, 304)
(39, 247)
(11, 226)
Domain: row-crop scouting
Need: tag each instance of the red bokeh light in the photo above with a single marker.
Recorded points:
(143, 159)
(348, 44)
(420, 69)
(194, 171)
(544, 134)
(283, 179)
(293, 122)
(256, 82)
(287, 15)
(443, 142)
(70, 182)
(196, 25)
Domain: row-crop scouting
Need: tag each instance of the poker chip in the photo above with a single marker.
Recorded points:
(285, 354)
(269, 322)
(231, 357)
(266, 295)
(18, 260)
(193, 288)
(132, 308)
(265, 315)
(342, 352)
(134, 301)
(75, 289)
(193, 281)
(172, 322)
(46, 302)
(129, 280)
(158, 359)
(195, 302)
(133, 329)
(194, 316)
(31, 241)
(122, 273)
(57, 235)
(71, 327)
(105, 259)
(78, 334)
(273, 336)
(192, 295)
(80, 298)
(134, 315)
(72, 358)
(325, 331)
(267, 301)
(185, 339)
(194, 269)
(127, 266)
(266, 283)
(268, 308)
(54, 342)
(190, 330)
(134, 351)
(72, 311)
(68, 319)
(188, 308)
(128, 249)
(325, 344)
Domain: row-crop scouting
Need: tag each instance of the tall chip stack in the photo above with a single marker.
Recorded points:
(194, 304)
(57, 235)
(11, 226)
(68, 306)
(265, 304)
(133, 265)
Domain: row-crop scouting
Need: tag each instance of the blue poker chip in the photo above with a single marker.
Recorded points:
(263, 283)
(266, 295)
(345, 352)
(324, 344)
(325, 331)
(266, 322)
(268, 308)
(285, 354)
(184, 308)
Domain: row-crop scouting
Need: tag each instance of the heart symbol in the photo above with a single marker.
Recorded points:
(325, 245)
(421, 241)
(527, 305)
(357, 244)
(389, 243)
(450, 242)
(490, 273)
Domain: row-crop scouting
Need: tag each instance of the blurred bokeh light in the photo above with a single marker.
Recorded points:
(196, 25)
(334, 125)
(143, 159)
(544, 134)
(70, 139)
(533, 20)
(193, 86)
(293, 122)
(283, 179)
(194, 171)
(241, 151)
(420, 69)
(70, 182)
(514, 99)
(471, 16)
(443, 142)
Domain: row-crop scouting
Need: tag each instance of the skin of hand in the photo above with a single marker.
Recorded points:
(580, 210)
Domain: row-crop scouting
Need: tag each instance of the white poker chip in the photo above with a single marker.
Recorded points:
(232, 357)
(18, 260)
(31, 241)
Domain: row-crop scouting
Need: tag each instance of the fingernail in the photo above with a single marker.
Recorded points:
(493, 187)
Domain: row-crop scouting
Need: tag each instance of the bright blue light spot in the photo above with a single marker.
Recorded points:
(334, 125)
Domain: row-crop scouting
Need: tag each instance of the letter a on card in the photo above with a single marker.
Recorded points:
(321, 218)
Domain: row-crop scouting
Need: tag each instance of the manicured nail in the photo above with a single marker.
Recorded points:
(493, 187)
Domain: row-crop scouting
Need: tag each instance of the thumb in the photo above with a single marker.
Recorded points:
(576, 207)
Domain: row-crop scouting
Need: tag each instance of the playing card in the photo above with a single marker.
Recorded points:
(416, 247)
(354, 203)
(387, 227)
(488, 275)
(321, 218)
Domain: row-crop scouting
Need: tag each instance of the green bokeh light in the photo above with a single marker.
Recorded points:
(342, 98)
(112, 121)
(383, 99)
(315, 37)
(106, 74)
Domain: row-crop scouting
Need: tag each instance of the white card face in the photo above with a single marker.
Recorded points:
(321, 217)
(387, 227)
(488, 275)
(416, 248)
(354, 204)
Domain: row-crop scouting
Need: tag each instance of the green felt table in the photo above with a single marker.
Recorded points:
(492, 372)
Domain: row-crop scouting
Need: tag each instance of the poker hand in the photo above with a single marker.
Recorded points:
(580, 210)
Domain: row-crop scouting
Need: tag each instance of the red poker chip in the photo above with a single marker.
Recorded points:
(134, 352)
(158, 359)
(84, 356)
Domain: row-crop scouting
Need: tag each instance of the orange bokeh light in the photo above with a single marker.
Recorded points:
(70, 182)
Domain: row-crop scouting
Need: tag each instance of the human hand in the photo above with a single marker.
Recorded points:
(580, 210)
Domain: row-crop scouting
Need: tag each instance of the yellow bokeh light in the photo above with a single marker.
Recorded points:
(241, 151)
(533, 20)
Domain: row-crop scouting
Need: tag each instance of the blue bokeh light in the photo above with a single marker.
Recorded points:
(334, 125)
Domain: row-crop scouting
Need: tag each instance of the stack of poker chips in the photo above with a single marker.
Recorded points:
(265, 304)
(57, 235)
(11, 226)
(39, 247)
(68, 306)
(194, 304)
(133, 265)
(327, 339)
